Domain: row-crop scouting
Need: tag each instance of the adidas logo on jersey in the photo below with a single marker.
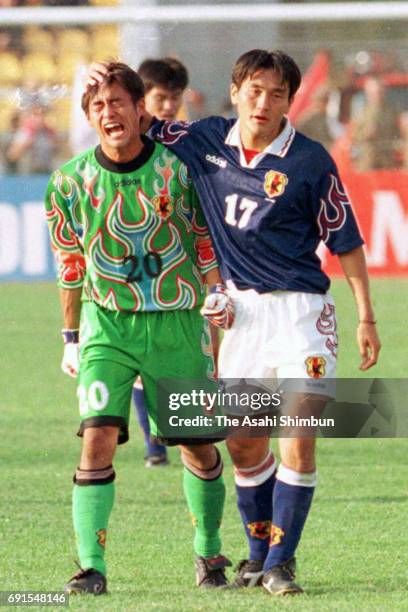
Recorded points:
(218, 161)
(126, 182)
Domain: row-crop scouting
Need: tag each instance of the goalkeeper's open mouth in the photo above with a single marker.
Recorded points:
(114, 129)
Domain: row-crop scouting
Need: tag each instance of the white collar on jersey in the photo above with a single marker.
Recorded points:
(279, 146)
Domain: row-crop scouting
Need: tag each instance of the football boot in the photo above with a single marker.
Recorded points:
(249, 573)
(210, 571)
(86, 581)
(280, 580)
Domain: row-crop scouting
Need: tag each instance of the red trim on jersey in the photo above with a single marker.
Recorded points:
(249, 154)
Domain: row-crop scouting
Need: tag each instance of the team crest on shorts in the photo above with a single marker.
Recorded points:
(275, 183)
(276, 535)
(316, 367)
(260, 529)
(163, 205)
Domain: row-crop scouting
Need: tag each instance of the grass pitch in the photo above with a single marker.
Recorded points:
(355, 545)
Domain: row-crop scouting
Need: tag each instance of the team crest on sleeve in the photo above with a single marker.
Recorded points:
(275, 183)
(315, 367)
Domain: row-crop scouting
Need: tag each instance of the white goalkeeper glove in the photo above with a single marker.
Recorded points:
(70, 358)
(218, 308)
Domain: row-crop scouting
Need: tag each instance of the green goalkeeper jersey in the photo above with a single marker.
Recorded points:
(132, 234)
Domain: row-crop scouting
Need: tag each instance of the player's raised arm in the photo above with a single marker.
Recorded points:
(355, 270)
(97, 73)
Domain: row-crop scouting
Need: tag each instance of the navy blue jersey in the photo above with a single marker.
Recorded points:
(266, 217)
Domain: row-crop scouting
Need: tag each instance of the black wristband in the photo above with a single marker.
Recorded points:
(70, 335)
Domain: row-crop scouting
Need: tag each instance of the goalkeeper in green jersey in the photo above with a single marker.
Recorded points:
(132, 249)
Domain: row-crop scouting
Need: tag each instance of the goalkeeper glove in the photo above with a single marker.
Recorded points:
(70, 358)
(218, 307)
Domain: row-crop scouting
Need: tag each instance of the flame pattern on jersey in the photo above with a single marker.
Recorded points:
(90, 177)
(183, 176)
(172, 132)
(208, 350)
(138, 236)
(64, 240)
(332, 214)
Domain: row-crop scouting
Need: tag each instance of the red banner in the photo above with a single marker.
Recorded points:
(380, 203)
(314, 78)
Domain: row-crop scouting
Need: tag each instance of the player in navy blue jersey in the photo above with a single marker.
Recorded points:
(270, 196)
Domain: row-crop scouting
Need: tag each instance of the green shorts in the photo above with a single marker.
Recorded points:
(118, 346)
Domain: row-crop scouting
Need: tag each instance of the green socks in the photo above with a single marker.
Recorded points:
(91, 507)
(205, 499)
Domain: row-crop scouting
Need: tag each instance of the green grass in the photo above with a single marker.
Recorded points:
(390, 299)
(354, 549)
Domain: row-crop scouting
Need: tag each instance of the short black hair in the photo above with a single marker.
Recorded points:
(123, 75)
(166, 72)
(258, 59)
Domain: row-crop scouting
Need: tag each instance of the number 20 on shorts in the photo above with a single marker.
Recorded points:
(95, 398)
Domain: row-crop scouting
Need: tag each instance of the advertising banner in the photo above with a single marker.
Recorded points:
(380, 203)
(25, 252)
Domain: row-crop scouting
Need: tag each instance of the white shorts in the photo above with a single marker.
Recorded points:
(280, 336)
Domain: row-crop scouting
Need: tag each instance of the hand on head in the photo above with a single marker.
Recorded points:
(97, 73)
